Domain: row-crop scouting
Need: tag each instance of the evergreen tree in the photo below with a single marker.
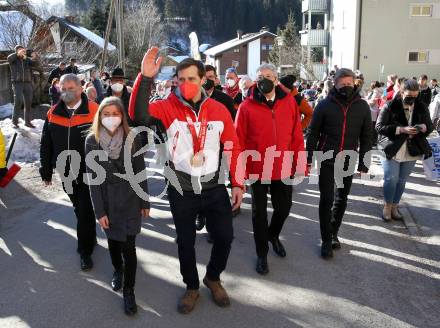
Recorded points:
(96, 19)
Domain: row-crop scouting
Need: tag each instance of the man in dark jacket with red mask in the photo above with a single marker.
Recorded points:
(269, 125)
(341, 122)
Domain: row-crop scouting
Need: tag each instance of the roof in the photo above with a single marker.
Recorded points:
(85, 33)
(14, 18)
(178, 59)
(237, 42)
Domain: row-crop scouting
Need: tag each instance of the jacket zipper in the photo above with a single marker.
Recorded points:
(345, 110)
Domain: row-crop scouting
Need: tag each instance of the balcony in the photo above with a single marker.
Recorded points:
(315, 38)
(314, 5)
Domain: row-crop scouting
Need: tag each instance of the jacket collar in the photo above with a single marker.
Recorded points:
(61, 108)
(256, 95)
(334, 96)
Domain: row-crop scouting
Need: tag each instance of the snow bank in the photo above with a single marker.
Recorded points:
(6, 110)
(27, 145)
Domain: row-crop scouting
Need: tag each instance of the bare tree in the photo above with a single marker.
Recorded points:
(143, 28)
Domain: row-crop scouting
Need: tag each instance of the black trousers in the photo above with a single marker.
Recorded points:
(86, 224)
(332, 202)
(123, 255)
(281, 196)
(22, 95)
(215, 205)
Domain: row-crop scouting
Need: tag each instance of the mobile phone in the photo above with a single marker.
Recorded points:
(418, 128)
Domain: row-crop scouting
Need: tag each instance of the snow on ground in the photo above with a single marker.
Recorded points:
(6, 110)
(27, 145)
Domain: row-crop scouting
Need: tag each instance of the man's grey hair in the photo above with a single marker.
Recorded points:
(270, 67)
(343, 72)
(70, 78)
(243, 81)
(410, 85)
(90, 89)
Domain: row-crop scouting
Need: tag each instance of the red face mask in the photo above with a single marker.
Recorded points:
(189, 90)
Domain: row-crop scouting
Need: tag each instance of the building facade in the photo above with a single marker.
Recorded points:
(382, 37)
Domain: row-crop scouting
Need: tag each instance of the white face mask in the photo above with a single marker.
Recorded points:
(231, 83)
(117, 87)
(111, 123)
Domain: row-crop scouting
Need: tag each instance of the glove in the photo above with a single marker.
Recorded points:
(3, 172)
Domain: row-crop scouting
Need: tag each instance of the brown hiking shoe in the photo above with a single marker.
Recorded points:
(218, 293)
(188, 301)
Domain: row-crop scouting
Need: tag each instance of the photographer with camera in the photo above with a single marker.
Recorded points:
(403, 126)
(21, 63)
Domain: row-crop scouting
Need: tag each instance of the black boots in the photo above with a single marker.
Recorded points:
(326, 250)
(262, 266)
(130, 306)
(278, 248)
(335, 242)
(86, 262)
(117, 280)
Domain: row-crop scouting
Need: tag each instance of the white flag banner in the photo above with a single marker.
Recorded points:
(195, 53)
(432, 164)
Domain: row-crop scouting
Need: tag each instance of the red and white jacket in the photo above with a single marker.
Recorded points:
(221, 136)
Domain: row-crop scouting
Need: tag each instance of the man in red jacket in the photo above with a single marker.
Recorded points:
(269, 125)
(197, 128)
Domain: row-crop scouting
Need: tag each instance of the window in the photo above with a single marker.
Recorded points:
(236, 50)
(421, 10)
(69, 47)
(418, 57)
(266, 47)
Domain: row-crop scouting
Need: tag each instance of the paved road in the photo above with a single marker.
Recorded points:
(382, 276)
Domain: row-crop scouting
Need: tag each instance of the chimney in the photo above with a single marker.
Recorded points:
(239, 34)
(70, 19)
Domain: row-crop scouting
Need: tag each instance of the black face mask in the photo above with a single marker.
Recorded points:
(265, 86)
(346, 92)
(409, 101)
(209, 84)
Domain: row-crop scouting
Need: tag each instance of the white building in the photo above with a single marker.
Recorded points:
(378, 37)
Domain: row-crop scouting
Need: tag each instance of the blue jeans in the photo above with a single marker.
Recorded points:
(395, 176)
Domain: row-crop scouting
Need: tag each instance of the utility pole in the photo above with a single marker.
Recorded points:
(120, 33)
(107, 33)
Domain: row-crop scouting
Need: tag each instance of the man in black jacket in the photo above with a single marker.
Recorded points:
(72, 68)
(341, 122)
(21, 76)
(118, 88)
(425, 91)
(57, 72)
(65, 129)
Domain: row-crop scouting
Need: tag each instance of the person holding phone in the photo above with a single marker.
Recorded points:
(117, 207)
(403, 126)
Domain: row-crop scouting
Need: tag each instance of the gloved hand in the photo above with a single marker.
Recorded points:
(3, 172)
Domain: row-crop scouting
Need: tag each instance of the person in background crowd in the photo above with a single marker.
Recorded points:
(72, 68)
(373, 99)
(388, 95)
(91, 94)
(97, 84)
(425, 93)
(267, 102)
(397, 87)
(403, 126)
(340, 122)
(232, 89)
(65, 129)
(218, 84)
(188, 161)
(121, 220)
(328, 85)
(57, 72)
(105, 80)
(305, 110)
(245, 84)
(435, 89)
(3, 168)
(359, 83)
(434, 111)
(54, 91)
(174, 83)
(118, 88)
(21, 64)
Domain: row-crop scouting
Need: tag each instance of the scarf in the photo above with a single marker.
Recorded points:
(112, 145)
(232, 92)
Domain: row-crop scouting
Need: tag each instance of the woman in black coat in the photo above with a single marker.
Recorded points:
(117, 206)
(403, 126)
(54, 92)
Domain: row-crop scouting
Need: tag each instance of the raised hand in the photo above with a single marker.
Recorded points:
(151, 63)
